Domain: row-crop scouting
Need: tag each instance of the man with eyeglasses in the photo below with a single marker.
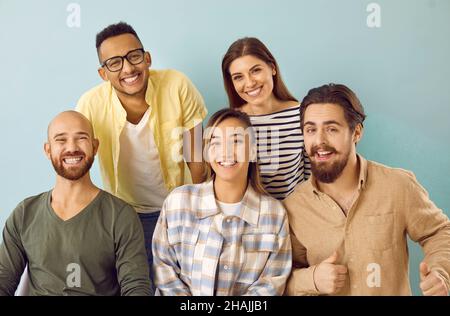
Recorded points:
(146, 121)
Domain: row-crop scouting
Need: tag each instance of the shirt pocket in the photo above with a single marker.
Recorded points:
(379, 232)
(183, 241)
(257, 249)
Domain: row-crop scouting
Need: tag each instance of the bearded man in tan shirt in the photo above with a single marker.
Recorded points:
(350, 221)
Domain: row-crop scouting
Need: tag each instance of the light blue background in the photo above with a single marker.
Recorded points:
(400, 72)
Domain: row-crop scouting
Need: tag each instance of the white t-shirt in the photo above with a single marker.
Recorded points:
(143, 187)
(228, 210)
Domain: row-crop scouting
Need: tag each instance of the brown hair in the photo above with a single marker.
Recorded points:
(251, 46)
(253, 168)
(337, 94)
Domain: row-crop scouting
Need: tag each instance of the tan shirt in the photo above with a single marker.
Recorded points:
(372, 239)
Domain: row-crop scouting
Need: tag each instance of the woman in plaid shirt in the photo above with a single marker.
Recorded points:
(225, 236)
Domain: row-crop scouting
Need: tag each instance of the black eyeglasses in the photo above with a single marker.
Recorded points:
(134, 57)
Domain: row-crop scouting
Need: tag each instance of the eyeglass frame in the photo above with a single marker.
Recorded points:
(124, 57)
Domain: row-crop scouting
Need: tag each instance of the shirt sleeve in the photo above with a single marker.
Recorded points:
(272, 280)
(301, 280)
(83, 106)
(13, 258)
(165, 263)
(193, 106)
(429, 226)
(131, 258)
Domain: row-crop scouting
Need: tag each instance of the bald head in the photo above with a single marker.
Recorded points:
(69, 122)
(71, 145)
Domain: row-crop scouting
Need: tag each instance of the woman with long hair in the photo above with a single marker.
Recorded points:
(254, 86)
(225, 236)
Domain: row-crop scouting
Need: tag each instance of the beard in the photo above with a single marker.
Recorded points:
(72, 173)
(326, 172)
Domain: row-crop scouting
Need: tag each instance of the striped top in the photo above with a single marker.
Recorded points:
(281, 154)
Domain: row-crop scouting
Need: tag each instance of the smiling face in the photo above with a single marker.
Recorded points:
(229, 151)
(252, 79)
(71, 146)
(131, 80)
(329, 141)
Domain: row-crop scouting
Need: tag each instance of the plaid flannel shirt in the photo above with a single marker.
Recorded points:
(188, 246)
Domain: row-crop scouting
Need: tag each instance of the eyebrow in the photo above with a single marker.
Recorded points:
(235, 134)
(237, 73)
(324, 123)
(122, 55)
(65, 134)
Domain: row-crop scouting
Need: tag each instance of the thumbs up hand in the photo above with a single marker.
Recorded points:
(329, 277)
(431, 283)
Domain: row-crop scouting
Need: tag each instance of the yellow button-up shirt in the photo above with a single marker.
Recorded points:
(372, 239)
(176, 106)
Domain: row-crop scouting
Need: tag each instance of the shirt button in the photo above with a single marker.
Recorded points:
(228, 220)
(225, 267)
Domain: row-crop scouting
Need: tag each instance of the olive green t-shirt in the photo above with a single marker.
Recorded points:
(100, 251)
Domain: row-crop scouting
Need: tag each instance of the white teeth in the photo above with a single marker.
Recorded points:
(130, 79)
(323, 153)
(72, 160)
(227, 164)
(254, 93)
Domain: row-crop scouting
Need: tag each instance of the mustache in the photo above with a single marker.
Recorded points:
(316, 149)
(72, 154)
(134, 73)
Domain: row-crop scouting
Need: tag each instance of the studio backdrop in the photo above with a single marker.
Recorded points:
(393, 53)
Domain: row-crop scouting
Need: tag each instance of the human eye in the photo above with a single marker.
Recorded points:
(215, 143)
(134, 56)
(256, 70)
(332, 129)
(237, 78)
(114, 62)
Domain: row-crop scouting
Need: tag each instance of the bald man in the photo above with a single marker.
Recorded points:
(75, 238)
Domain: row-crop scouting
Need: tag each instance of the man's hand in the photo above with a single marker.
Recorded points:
(431, 283)
(330, 277)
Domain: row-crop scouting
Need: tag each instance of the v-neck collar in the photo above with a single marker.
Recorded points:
(81, 214)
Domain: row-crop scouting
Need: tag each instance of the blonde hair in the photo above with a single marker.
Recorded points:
(253, 169)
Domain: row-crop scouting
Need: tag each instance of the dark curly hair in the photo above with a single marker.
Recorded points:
(114, 30)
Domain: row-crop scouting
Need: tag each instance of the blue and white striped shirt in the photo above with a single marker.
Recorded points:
(281, 156)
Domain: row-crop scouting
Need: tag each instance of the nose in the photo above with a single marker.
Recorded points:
(250, 82)
(71, 145)
(321, 137)
(127, 66)
(226, 152)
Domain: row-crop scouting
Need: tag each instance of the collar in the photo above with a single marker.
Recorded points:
(250, 204)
